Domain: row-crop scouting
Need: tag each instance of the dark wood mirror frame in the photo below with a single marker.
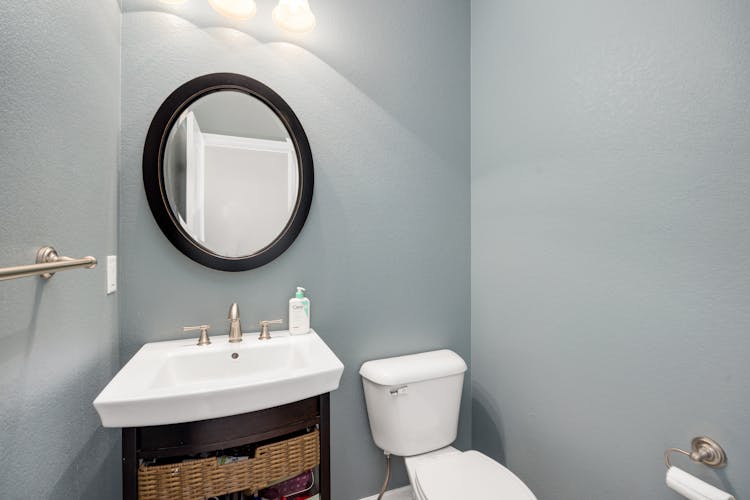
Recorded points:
(153, 171)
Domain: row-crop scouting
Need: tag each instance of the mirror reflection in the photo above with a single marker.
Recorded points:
(230, 173)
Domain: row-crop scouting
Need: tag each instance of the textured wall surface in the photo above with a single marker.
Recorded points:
(383, 94)
(610, 240)
(59, 135)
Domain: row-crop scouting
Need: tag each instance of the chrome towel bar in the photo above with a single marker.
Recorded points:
(48, 262)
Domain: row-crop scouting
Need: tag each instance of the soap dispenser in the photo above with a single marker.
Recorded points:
(299, 313)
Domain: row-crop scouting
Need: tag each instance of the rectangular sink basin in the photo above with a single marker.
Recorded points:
(179, 381)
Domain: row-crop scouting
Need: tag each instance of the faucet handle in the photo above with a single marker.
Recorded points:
(264, 334)
(203, 340)
(267, 322)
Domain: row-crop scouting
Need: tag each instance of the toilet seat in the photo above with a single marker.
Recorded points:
(467, 475)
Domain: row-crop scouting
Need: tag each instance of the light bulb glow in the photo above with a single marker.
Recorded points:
(241, 10)
(294, 15)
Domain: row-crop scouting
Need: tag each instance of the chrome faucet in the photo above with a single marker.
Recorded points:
(235, 328)
(204, 340)
(264, 333)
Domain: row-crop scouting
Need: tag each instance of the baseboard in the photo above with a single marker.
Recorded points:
(398, 494)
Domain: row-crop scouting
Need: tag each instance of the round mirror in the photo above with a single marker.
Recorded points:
(228, 172)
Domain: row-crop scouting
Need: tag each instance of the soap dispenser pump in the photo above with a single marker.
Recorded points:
(299, 313)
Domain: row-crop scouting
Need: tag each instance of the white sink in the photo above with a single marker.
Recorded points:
(179, 381)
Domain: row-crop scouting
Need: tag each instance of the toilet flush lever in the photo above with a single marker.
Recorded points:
(400, 391)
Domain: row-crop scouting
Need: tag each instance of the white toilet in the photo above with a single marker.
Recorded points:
(413, 403)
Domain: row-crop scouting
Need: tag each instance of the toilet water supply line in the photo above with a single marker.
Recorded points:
(387, 475)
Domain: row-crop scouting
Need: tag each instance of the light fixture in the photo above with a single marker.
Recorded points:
(241, 10)
(294, 15)
(173, 2)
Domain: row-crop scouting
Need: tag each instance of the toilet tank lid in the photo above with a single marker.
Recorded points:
(413, 367)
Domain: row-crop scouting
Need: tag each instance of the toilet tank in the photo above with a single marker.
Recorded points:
(413, 401)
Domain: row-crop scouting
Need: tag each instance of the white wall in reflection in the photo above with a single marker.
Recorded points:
(250, 191)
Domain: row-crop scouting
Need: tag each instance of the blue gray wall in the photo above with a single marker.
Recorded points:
(610, 240)
(383, 94)
(59, 136)
(609, 233)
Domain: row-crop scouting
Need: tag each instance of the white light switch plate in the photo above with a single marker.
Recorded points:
(111, 274)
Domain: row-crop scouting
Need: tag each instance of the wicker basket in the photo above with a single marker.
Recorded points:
(199, 479)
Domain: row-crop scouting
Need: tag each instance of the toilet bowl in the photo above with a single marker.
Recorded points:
(413, 405)
(448, 475)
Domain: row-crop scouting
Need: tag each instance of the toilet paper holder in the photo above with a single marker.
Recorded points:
(704, 450)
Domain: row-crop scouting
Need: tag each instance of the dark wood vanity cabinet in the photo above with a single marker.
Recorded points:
(191, 438)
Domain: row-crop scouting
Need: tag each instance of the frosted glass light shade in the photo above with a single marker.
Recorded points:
(294, 15)
(235, 9)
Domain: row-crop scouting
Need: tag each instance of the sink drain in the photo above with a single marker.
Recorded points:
(235, 355)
